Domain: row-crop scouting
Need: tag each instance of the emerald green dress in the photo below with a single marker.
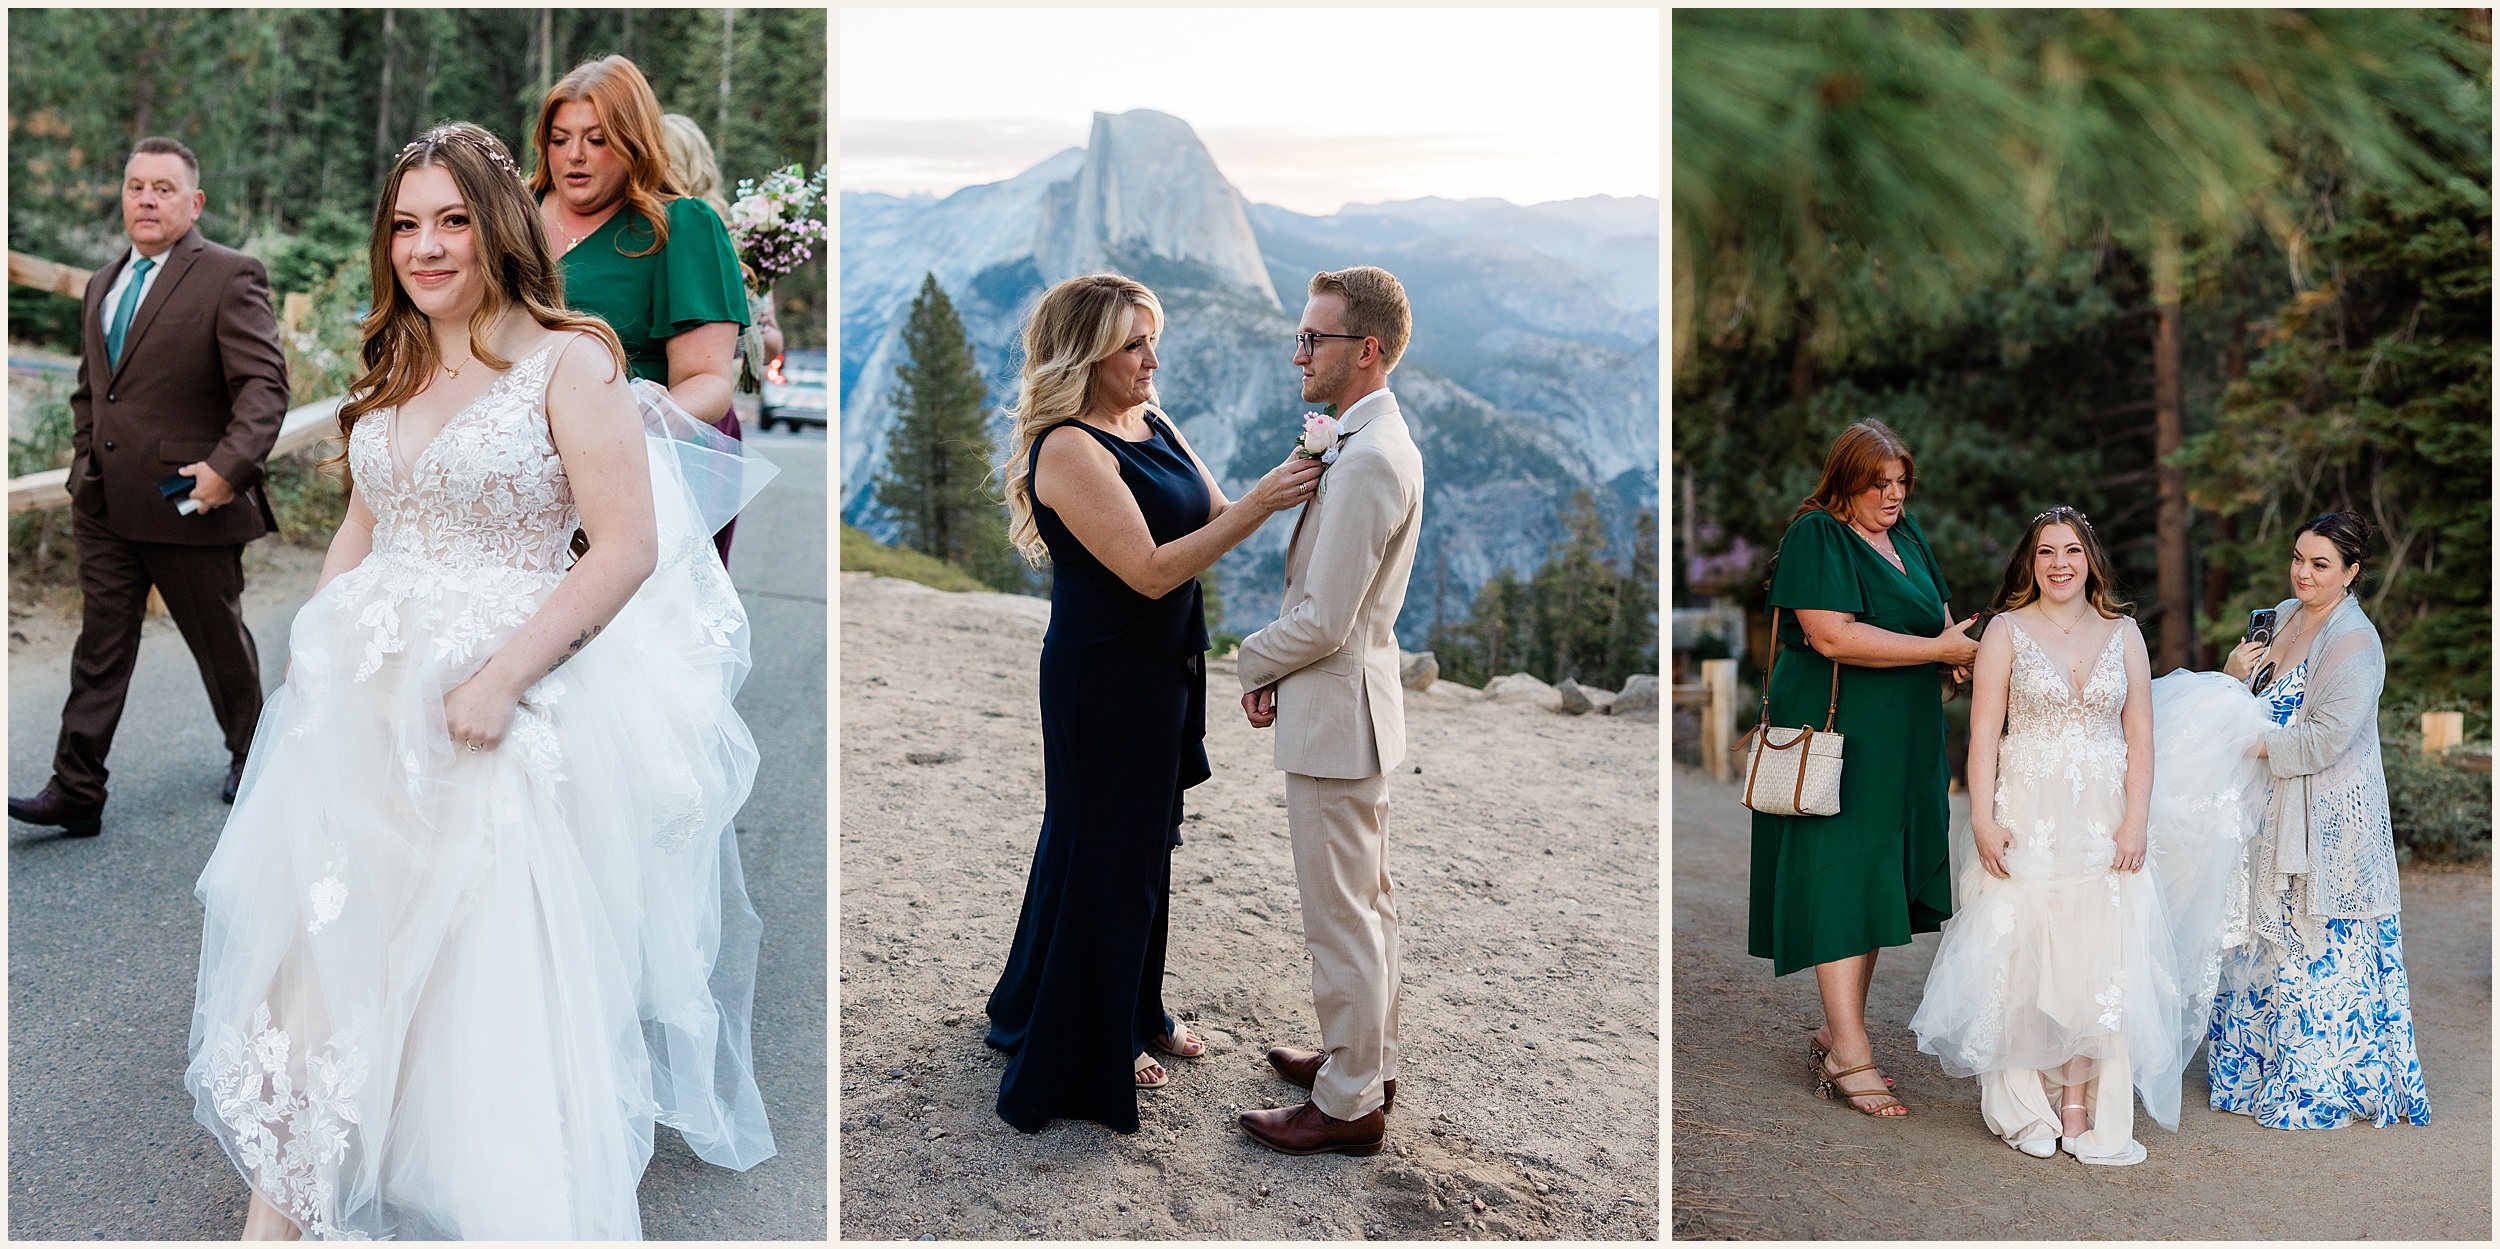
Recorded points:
(1833, 887)
(650, 299)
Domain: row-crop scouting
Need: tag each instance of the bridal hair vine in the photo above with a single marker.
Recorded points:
(471, 135)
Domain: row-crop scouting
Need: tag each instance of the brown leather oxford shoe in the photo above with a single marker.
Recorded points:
(1306, 1129)
(51, 809)
(1301, 1067)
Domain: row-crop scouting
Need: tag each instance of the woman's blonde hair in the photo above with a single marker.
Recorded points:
(629, 118)
(1078, 324)
(690, 161)
(511, 252)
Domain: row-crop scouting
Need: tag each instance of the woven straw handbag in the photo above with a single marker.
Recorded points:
(1793, 771)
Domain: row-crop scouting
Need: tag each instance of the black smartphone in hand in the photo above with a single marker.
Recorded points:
(177, 491)
(2260, 627)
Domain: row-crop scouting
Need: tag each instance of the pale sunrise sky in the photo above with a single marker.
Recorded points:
(1306, 108)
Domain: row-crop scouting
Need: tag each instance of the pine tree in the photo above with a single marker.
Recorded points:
(938, 456)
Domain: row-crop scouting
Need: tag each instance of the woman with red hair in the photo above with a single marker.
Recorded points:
(648, 258)
(1861, 608)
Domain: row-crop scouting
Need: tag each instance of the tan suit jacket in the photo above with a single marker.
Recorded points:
(1332, 651)
(201, 377)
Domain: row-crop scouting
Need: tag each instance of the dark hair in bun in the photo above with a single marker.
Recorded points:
(2350, 533)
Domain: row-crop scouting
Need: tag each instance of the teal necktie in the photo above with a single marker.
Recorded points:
(121, 312)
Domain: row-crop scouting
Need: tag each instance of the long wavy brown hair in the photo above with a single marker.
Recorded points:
(1855, 465)
(629, 117)
(2021, 587)
(512, 252)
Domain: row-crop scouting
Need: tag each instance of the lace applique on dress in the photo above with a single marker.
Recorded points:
(290, 1139)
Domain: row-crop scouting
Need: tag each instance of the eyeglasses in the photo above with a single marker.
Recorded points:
(1308, 340)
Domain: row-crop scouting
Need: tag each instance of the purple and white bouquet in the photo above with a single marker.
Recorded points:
(778, 223)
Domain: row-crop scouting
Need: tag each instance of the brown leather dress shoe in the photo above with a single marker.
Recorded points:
(1306, 1129)
(234, 781)
(1301, 1066)
(49, 808)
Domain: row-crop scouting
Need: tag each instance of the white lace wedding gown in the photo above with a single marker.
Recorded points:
(446, 994)
(2067, 958)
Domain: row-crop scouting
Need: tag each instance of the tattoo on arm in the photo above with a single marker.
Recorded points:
(576, 647)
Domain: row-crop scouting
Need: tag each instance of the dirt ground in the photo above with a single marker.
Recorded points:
(1525, 849)
(1757, 1156)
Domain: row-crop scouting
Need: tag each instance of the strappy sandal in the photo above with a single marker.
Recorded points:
(1827, 1086)
(1170, 1042)
(2064, 1141)
(1144, 1064)
(1818, 1054)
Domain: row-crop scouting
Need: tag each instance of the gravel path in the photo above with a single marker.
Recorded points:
(1526, 854)
(1758, 1156)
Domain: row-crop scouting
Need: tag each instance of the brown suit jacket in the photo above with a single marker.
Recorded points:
(1332, 652)
(202, 377)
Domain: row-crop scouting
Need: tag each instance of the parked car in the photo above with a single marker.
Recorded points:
(794, 389)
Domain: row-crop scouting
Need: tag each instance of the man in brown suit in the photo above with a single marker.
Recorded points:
(181, 374)
(1325, 675)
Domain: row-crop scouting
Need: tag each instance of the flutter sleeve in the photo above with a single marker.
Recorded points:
(698, 282)
(1816, 572)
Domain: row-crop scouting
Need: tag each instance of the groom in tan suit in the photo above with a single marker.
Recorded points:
(1325, 675)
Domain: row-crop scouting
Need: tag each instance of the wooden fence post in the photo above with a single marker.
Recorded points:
(1718, 717)
(2442, 731)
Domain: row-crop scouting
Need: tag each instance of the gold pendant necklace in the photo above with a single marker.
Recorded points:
(2068, 630)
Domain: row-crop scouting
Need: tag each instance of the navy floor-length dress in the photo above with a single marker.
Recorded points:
(1123, 700)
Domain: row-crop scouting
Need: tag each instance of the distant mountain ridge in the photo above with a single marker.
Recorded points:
(1533, 369)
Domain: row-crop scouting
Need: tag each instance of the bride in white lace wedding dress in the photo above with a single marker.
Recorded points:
(2078, 968)
(476, 922)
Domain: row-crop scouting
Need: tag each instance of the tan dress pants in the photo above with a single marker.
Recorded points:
(1350, 922)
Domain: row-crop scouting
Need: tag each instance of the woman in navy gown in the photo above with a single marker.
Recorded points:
(1100, 480)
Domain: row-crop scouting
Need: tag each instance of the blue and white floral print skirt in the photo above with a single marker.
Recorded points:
(2321, 1039)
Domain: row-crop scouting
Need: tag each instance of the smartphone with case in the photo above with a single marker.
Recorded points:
(2261, 627)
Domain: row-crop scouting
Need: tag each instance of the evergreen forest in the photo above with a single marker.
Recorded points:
(2200, 274)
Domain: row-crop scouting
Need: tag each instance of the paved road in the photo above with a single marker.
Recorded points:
(104, 935)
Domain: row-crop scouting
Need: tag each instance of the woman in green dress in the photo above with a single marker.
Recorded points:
(1856, 586)
(652, 261)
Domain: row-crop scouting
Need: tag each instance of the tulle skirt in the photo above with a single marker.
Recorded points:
(447, 994)
(2070, 960)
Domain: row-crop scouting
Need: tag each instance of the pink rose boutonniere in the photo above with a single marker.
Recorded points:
(1320, 436)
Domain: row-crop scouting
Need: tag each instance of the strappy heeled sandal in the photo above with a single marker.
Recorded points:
(1817, 1054)
(1827, 1086)
(2064, 1141)
(1171, 1043)
(1145, 1063)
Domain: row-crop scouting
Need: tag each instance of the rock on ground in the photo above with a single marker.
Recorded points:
(1526, 855)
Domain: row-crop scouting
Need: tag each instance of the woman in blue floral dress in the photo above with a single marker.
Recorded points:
(2313, 1023)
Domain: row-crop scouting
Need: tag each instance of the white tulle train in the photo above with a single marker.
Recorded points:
(2068, 964)
(447, 994)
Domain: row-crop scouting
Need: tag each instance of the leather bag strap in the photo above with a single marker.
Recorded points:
(1770, 665)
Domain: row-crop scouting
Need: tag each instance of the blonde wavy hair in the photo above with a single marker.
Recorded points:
(690, 161)
(512, 252)
(629, 116)
(1078, 324)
